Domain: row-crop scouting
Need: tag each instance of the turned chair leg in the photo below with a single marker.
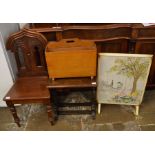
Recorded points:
(14, 113)
(137, 110)
(50, 113)
(99, 108)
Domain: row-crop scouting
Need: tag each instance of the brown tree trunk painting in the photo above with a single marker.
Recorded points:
(134, 87)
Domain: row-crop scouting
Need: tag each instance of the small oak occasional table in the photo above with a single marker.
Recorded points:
(57, 85)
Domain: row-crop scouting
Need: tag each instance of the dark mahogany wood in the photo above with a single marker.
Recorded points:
(14, 112)
(108, 37)
(29, 90)
(28, 47)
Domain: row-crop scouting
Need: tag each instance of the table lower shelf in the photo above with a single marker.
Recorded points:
(74, 112)
(79, 106)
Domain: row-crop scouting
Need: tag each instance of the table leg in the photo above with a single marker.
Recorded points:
(54, 102)
(93, 108)
(50, 113)
(14, 112)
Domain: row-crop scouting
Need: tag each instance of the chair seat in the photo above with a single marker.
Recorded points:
(28, 88)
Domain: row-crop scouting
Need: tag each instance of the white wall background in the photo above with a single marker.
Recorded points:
(21, 25)
(5, 78)
(8, 68)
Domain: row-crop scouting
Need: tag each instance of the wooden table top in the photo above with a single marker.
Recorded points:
(85, 82)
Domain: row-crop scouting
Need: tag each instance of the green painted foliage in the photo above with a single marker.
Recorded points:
(131, 67)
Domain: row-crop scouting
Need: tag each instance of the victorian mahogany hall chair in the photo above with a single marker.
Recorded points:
(30, 86)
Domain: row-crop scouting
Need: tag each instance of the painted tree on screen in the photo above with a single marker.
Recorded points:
(131, 67)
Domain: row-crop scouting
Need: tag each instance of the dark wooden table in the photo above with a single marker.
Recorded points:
(72, 84)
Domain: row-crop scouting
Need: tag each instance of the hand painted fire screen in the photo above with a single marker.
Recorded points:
(122, 78)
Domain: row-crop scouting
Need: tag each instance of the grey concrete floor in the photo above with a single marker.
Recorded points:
(112, 118)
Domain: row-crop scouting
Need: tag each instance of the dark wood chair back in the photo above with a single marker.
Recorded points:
(29, 48)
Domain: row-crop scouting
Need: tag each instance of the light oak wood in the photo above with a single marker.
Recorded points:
(71, 58)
